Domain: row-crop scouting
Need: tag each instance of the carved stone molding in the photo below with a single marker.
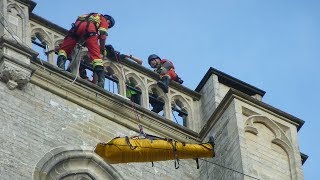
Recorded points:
(73, 162)
(15, 68)
(14, 75)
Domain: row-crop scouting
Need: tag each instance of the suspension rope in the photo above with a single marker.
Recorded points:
(79, 48)
(174, 117)
(229, 168)
(141, 132)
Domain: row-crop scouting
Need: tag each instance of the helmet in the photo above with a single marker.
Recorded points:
(112, 22)
(151, 57)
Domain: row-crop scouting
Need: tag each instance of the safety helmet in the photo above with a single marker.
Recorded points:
(152, 56)
(112, 22)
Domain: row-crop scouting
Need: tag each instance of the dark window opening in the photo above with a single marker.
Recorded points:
(179, 115)
(156, 104)
(40, 47)
(133, 93)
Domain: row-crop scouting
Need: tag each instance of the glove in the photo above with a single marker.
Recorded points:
(180, 81)
(122, 56)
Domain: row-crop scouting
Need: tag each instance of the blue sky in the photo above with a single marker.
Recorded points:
(273, 45)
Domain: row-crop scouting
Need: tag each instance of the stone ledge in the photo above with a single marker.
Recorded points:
(107, 104)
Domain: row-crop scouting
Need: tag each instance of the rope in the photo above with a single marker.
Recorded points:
(79, 47)
(230, 169)
(132, 103)
(174, 117)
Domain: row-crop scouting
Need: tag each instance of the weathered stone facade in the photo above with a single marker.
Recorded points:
(50, 122)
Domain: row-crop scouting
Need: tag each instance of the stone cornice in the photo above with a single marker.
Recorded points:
(235, 94)
(48, 24)
(106, 104)
(28, 3)
(231, 82)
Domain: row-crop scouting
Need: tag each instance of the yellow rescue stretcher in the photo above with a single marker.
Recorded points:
(136, 149)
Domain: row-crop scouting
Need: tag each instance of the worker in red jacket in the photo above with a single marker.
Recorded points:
(166, 70)
(88, 28)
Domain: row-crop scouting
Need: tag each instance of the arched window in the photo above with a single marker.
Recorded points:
(111, 81)
(73, 163)
(179, 112)
(39, 45)
(132, 91)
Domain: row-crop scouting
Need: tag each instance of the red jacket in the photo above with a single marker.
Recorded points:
(166, 64)
(98, 23)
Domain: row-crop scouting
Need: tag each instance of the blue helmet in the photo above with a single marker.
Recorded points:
(112, 22)
(152, 56)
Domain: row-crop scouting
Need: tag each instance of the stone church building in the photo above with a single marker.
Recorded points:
(50, 121)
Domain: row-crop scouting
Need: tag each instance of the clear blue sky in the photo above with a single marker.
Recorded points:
(271, 44)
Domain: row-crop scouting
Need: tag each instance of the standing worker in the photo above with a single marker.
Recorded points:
(166, 70)
(88, 28)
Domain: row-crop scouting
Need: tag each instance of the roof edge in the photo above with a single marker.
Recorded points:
(231, 82)
(48, 24)
(304, 157)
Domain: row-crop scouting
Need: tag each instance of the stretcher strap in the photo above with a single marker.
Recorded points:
(129, 144)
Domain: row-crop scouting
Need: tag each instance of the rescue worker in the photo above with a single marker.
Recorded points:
(131, 93)
(166, 70)
(88, 28)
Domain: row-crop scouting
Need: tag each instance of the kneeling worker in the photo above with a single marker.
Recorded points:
(166, 70)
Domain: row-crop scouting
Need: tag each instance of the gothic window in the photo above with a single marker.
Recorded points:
(76, 163)
(180, 114)
(132, 91)
(39, 46)
(111, 81)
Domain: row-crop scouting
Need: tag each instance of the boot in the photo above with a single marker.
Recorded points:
(164, 83)
(157, 108)
(61, 62)
(99, 71)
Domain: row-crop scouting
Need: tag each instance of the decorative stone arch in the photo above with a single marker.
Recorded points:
(58, 42)
(183, 104)
(42, 36)
(153, 88)
(138, 80)
(18, 8)
(161, 94)
(112, 69)
(73, 162)
(280, 138)
(22, 16)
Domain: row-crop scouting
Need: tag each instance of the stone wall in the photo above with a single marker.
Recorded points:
(269, 144)
(35, 121)
(225, 133)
